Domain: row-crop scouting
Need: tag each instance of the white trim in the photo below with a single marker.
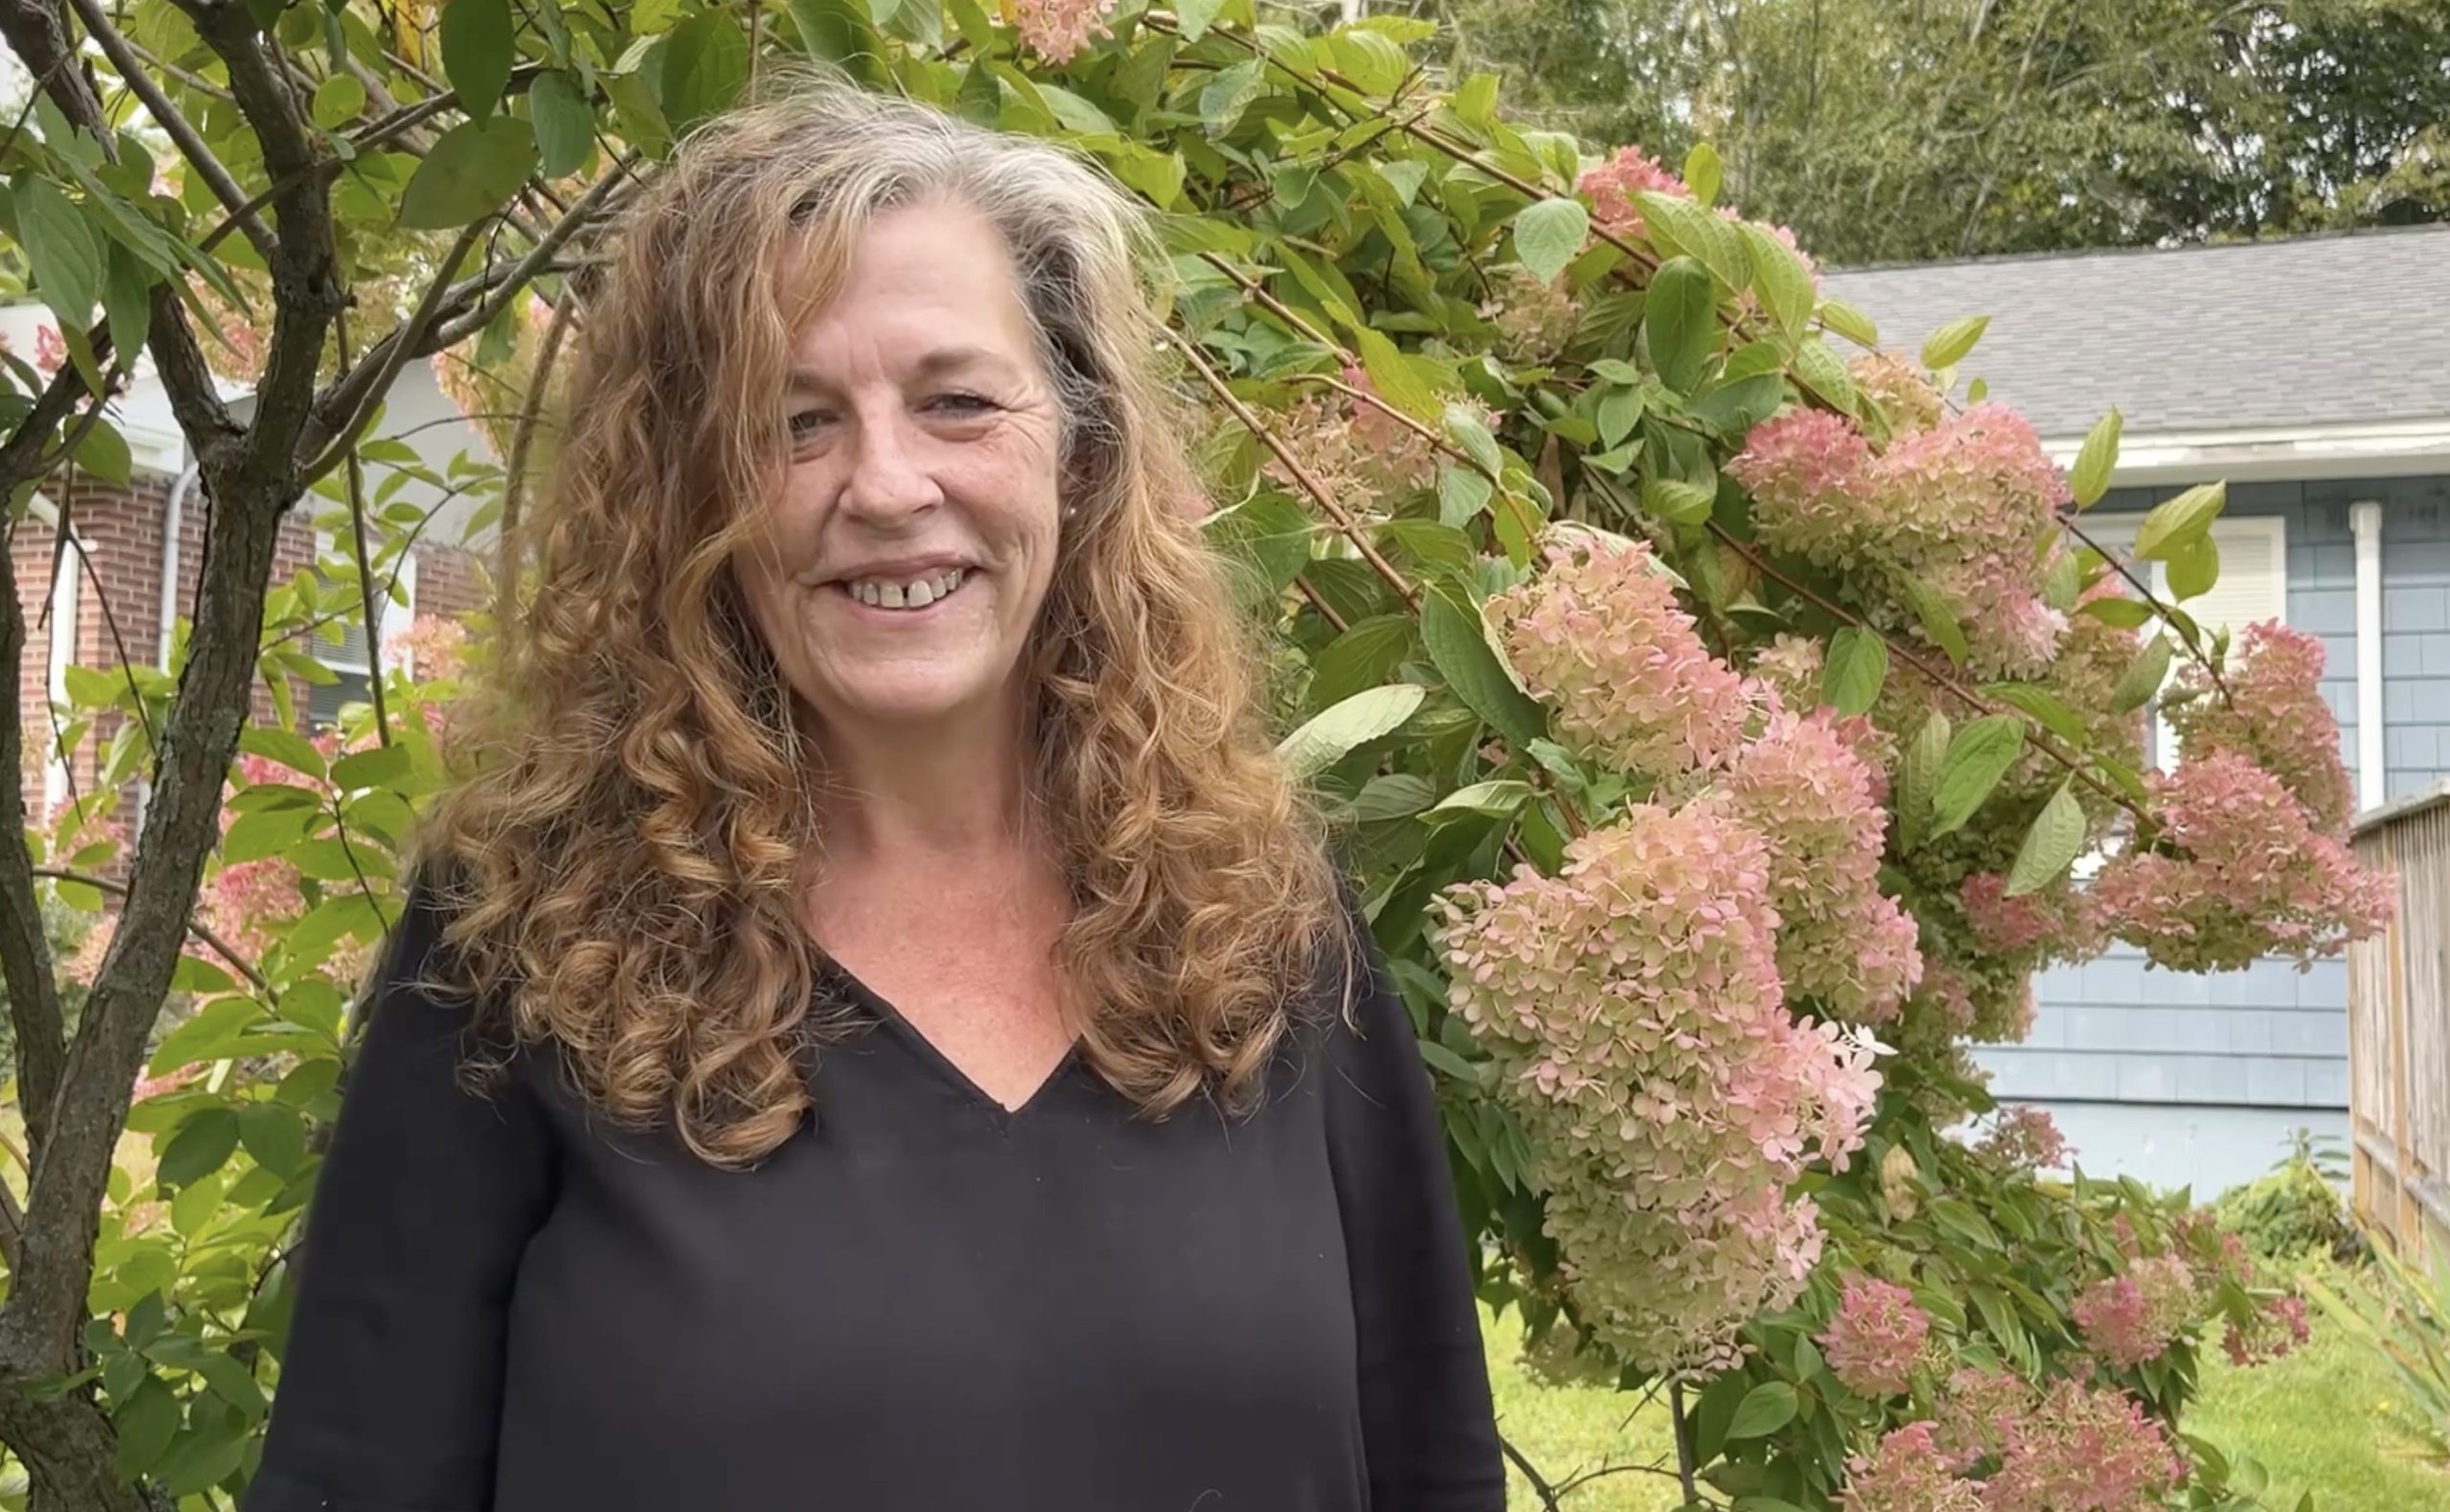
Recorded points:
(2372, 768)
(2373, 449)
(64, 607)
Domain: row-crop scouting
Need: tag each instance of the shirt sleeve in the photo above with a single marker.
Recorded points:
(1429, 1430)
(391, 1384)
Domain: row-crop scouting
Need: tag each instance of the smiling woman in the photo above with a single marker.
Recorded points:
(873, 1026)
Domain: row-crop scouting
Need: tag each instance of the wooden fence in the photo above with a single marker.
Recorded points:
(2399, 1031)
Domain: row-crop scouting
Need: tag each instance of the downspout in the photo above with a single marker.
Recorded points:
(166, 608)
(2372, 765)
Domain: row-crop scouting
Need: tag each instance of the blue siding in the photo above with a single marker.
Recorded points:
(2117, 1031)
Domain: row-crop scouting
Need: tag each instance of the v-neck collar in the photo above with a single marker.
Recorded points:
(942, 1065)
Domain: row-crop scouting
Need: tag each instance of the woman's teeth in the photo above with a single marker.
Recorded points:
(917, 593)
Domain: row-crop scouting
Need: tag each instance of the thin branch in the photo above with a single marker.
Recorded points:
(356, 475)
(1349, 527)
(189, 143)
(1539, 1486)
(362, 393)
(2121, 565)
(221, 948)
(588, 208)
(514, 490)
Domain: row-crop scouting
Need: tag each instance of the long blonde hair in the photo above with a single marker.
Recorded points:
(629, 844)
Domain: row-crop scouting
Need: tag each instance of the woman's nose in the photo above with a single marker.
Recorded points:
(889, 477)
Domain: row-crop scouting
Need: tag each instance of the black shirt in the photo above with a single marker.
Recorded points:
(921, 1302)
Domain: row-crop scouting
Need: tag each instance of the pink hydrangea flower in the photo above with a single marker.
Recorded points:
(1907, 1474)
(1633, 1009)
(1058, 29)
(2279, 1327)
(2274, 717)
(2251, 876)
(2133, 1317)
(1875, 1338)
(2083, 1449)
(1599, 636)
(1612, 186)
(1899, 386)
(2025, 1138)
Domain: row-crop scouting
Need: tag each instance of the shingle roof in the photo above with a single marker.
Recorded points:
(2332, 329)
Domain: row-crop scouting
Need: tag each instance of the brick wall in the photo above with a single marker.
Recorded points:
(119, 606)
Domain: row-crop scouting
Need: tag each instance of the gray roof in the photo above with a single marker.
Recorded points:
(2345, 328)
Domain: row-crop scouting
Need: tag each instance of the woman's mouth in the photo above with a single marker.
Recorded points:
(904, 595)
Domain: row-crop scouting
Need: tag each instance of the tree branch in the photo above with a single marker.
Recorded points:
(360, 392)
(190, 144)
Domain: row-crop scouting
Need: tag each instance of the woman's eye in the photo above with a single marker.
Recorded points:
(962, 403)
(804, 421)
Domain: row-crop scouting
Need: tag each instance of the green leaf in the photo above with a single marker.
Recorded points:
(1227, 92)
(476, 54)
(1498, 798)
(1548, 234)
(381, 767)
(1765, 1409)
(274, 1137)
(1464, 429)
(2194, 568)
(1195, 17)
(474, 168)
(705, 64)
(202, 1145)
(1702, 172)
(1680, 322)
(2126, 613)
(199, 1459)
(2051, 844)
(1351, 723)
(1820, 370)
(1858, 664)
(1977, 758)
(1462, 494)
(1462, 651)
(337, 100)
(1779, 278)
(1396, 795)
(1938, 620)
(1397, 382)
(2144, 676)
(1734, 409)
(842, 32)
(1620, 409)
(2046, 710)
(1952, 342)
(2177, 523)
(67, 256)
(147, 1421)
(1678, 226)
(128, 303)
(563, 121)
(1849, 322)
(2095, 461)
(103, 451)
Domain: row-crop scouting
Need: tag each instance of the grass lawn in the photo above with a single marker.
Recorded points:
(2318, 1419)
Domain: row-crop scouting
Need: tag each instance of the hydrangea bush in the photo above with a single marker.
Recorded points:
(1715, 703)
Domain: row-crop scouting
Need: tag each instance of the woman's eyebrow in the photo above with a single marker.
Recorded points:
(937, 363)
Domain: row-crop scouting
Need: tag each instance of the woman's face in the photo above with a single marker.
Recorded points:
(914, 535)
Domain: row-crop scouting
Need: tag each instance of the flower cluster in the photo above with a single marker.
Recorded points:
(2025, 1138)
(1876, 1337)
(1907, 1474)
(1058, 29)
(1599, 636)
(2274, 717)
(2056, 919)
(1960, 508)
(1842, 942)
(2275, 1327)
(2134, 1315)
(1632, 1008)
(1899, 386)
(1533, 317)
(1351, 448)
(2082, 1449)
(2251, 876)
(1612, 186)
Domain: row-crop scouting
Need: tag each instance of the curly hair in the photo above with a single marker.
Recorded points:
(633, 823)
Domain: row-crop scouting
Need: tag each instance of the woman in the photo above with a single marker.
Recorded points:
(921, 1057)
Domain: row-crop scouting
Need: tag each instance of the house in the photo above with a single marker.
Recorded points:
(119, 596)
(2314, 376)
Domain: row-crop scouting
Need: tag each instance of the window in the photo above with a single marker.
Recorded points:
(2252, 585)
(350, 659)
